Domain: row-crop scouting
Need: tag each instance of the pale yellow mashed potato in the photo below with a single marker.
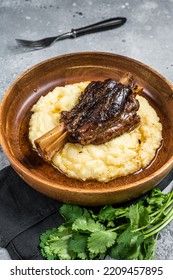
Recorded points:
(121, 156)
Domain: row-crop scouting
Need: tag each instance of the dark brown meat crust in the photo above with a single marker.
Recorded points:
(105, 110)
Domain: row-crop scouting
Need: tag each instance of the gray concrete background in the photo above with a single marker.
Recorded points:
(147, 36)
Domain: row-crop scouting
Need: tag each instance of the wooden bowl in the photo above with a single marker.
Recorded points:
(39, 80)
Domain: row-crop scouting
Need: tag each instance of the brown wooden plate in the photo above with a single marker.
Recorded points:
(66, 69)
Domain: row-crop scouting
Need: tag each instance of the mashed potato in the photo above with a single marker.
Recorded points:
(121, 156)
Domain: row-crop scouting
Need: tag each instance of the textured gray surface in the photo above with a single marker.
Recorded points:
(147, 36)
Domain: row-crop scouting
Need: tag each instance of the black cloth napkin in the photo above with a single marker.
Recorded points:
(25, 214)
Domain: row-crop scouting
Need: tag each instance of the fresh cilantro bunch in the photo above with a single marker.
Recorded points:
(128, 233)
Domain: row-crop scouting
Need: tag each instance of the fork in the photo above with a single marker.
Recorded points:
(96, 27)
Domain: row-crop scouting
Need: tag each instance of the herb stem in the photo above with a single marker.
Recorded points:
(154, 229)
(163, 208)
(159, 212)
(119, 227)
(158, 229)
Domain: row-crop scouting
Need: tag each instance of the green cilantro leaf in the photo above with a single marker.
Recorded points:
(44, 236)
(118, 251)
(157, 199)
(58, 248)
(99, 241)
(107, 213)
(86, 225)
(54, 245)
(138, 216)
(70, 212)
(149, 247)
(82, 256)
(127, 246)
(78, 243)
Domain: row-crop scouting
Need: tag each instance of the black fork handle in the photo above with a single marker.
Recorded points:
(99, 26)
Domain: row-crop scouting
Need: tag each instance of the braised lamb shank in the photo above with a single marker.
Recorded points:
(104, 111)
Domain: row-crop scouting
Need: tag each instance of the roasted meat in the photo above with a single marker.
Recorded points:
(104, 111)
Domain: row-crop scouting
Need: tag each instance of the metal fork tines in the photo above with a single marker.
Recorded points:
(43, 43)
